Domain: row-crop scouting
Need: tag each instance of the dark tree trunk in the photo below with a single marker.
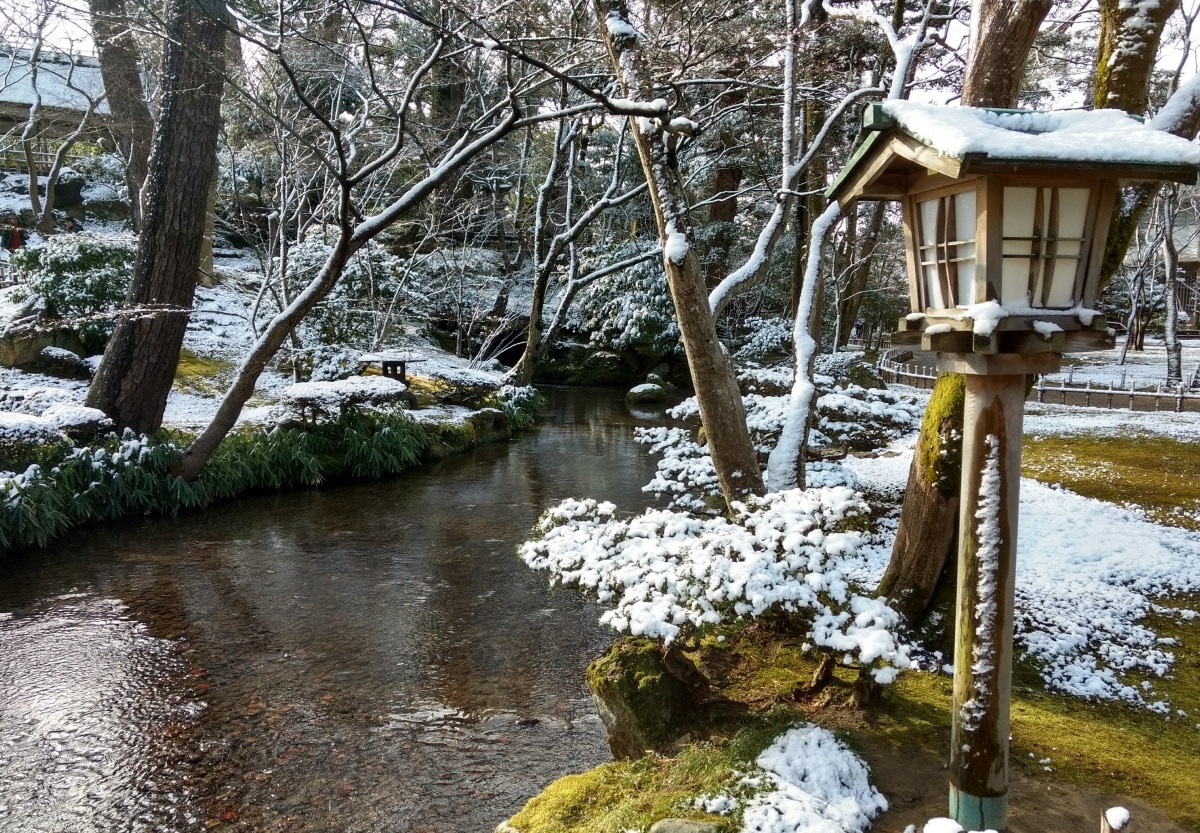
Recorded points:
(1003, 37)
(1124, 66)
(135, 375)
(860, 274)
(129, 121)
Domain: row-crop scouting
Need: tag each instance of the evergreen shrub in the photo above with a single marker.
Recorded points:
(83, 279)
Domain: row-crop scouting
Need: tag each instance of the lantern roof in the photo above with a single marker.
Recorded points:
(908, 139)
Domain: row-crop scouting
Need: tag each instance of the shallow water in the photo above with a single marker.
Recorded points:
(366, 658)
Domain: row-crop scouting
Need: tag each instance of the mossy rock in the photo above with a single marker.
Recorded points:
(646, 394)
(582, 364)
(489, 425)
(643, 706)
(865, 375)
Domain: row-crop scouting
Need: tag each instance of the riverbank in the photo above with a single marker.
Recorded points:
(65, 469)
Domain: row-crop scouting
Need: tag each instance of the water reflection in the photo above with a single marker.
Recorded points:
(360, 659)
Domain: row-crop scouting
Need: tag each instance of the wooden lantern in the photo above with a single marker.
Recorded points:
(1005, 218)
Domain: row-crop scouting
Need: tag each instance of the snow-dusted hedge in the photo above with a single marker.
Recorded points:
(631, 310)
(667, 573)
(79, 276)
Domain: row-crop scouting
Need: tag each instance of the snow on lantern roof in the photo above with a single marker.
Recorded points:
(910, 137)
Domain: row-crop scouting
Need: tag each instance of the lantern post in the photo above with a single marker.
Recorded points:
(1005, 215)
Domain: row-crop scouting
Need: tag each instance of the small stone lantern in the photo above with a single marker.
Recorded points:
(1005, 218)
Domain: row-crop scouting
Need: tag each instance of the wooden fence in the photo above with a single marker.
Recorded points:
(13, 159)
(901, 367)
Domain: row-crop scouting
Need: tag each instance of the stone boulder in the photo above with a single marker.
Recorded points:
(649, 699)
(646, 394)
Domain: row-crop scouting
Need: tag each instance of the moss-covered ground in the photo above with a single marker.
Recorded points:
(201, 375)
(1060, 743)
(1153, 472)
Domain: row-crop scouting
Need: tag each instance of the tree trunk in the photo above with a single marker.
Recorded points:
(135, 375)
(129, 121)
(1001, 38)
(720, 401)
(1126, 56)
(929, 515)
(1124, 64)
(860, 274)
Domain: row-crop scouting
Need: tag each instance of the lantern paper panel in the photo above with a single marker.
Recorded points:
(946, 250)
(1043, 241)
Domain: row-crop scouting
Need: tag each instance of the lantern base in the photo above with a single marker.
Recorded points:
(998, 364)
(975, 812)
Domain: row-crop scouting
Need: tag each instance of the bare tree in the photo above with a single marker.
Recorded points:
(138, 367)
(657, 136)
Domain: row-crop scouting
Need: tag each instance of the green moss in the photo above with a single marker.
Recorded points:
(201, 374)
(632, 795)
(1110, 747)
(651, 707)
(1152, 472)
(941, 433)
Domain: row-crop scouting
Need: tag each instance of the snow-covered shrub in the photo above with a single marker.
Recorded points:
(81, 277)
(520, 404)
(121, 477)
(668, 574)
(767, 338)
(864, 419)
(355, 309)
(631, 310)
(25, 439)
(99, 167)
(853, 417)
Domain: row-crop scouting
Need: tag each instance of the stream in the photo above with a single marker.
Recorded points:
(364, 658)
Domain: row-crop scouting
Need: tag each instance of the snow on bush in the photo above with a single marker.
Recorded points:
(806, 780)
(767, 337)
(79, 276)
(857, 418)
(864, 419)
(667, 573)
(631, 310)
